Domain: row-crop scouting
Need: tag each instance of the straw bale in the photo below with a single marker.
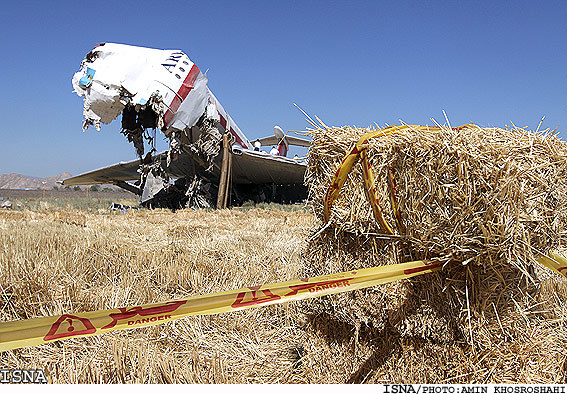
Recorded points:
(485, 201)
(470, 194)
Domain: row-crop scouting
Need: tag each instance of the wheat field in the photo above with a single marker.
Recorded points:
(58, 259)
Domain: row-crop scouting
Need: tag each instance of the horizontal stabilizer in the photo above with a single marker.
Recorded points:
(273, 140)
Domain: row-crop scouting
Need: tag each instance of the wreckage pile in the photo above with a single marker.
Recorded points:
(487, 202)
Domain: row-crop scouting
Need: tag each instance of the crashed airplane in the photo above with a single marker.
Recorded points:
(164, 90)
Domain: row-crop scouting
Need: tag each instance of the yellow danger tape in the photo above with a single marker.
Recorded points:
(37, 331)
(555, 263)
(372, 194)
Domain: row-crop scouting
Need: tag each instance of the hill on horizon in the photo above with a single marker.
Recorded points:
(19, 181)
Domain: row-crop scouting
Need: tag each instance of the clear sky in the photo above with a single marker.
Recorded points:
(350, 63)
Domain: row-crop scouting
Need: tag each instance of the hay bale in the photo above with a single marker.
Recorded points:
(471, 194)
(485, 201)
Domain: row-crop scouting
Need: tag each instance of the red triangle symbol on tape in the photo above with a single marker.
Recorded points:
(69, 326)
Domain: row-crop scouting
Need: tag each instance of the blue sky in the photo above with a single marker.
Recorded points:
(350, 63)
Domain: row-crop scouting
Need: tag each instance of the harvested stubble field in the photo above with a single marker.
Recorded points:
(56, 261)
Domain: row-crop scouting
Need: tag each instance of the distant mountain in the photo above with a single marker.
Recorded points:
(19, 181)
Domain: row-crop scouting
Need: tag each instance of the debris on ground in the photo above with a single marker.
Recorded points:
(121, 207)
(7, 204)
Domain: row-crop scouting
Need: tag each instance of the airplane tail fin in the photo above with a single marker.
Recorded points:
(283, 143)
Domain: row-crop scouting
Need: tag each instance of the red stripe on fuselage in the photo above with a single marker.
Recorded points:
(236, 136)
(182, 93)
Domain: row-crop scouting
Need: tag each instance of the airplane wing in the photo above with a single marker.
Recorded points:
(128, 171)
(123, 171)
(248, 167)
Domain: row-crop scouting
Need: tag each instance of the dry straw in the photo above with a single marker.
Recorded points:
(52, 263)
(498, 318)
(485, 201)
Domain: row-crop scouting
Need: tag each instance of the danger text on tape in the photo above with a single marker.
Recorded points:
(34, 332)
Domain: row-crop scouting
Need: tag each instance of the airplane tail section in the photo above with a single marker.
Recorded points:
(282, 141)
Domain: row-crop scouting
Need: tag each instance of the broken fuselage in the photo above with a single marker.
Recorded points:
(164, 90)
